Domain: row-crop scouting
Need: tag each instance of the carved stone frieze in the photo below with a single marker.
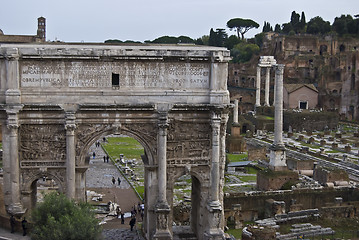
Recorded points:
(45, 143)
(188, 143)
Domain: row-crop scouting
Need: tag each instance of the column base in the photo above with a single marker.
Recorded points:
(277, 159)
(162, 232)
(16, 209)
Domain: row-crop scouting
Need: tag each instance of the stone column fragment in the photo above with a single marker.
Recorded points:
(70, 156)
(258, 87)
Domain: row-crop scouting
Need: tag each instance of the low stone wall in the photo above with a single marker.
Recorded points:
(255, 202)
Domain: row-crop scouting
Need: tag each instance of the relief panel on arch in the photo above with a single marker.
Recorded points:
(188, 143)
(42, 146)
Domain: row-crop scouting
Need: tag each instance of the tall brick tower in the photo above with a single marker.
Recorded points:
(41, 28)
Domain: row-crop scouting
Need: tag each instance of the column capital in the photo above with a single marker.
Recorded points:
(279, 68)
(163, 120)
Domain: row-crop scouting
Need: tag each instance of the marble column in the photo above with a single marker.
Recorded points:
(15, 207)
(266, 93)
(216, 123)
(214, 230)
(277, 149)
(278, 112)
(162, 208)
(258, 87)
(70, 156)
(235, 112)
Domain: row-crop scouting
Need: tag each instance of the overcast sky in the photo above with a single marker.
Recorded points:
(140, 20)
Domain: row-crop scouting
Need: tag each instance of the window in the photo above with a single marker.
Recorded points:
(115, 79)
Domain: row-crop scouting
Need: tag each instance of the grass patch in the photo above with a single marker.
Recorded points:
(248, 178)
(127, 146)
(237, 233)
(237, 157)
(141, 191)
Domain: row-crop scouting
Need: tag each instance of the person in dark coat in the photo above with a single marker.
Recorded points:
(122, 218)
(12, 223)
(119, 181)
(132, 222)
(113, 180)
(24, 226)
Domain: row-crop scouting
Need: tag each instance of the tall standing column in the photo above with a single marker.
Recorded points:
(214, 230)
(15, 207)
(266, 95)
(162, 209)
(278, 112)
(70, 155)
(258, 87)
(235, 112)
(216, 123)
(277, 160)
(162, 157)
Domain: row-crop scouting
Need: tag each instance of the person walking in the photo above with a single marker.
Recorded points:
(122, 218)
(104, 158)
(119, 181)
(113, 180)
(107, 158)
(94, 155)
(24, 226)
(12, 223)
(132, 222)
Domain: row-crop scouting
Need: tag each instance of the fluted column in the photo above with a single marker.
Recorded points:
(258, 87)
(266, 93)
(70, 155)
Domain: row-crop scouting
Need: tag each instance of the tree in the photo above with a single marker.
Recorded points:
(277, 28)
(243, 52)
(267, 27)
(342, 25)
(317, 25)
(232, 41)
(59, 218)
(217, 38)
(241, 25)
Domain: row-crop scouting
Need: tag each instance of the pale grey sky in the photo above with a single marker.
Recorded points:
(140, 20)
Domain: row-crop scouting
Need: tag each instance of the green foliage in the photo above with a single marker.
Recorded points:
(241, 25)
(345, 24)
(317, 25)
(173, 40)
(59, 218)
(217, 38)
(232, 41)
(237, 157)
(244, 51)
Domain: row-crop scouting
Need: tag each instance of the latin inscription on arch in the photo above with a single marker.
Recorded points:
(94, 74)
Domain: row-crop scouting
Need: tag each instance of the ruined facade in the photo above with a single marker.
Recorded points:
(329, 63)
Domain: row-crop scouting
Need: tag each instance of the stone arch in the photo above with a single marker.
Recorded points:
(99, 135)
(29, 190)
(199, 183)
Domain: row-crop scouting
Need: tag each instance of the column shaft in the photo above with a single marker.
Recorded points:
(216, 122)
(162, 165)
(266, 97)
(258, 87)
(70, 161)
(14, 165)
(235, 111)
(278, 113)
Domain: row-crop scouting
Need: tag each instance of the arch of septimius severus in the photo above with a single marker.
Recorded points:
(56, 100)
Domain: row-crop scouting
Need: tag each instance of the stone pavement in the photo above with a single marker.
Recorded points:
(6, 235)
(99, 179)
